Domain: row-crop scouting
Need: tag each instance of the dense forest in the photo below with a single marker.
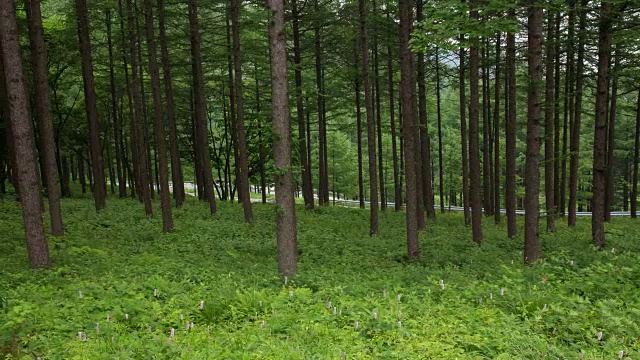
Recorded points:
(499, 122)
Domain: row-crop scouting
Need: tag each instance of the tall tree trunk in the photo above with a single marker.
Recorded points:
(487, 202)
(408, 126)
(510, 133)
(636, 156)
(323, 183)
(286, 217)
(43, 114)
(569, 104)
(440, 148)
(574, 146)
(371, 124)
(496, 136)
(97, 166)
(359, 133)
(549, 124)
(243, 181)
(23, 137)
(397, 197)
(176, 163)
(307, 181)
(200, 105)
(464, 136)
(531, 171)
(556, 121)
(475, 200)
(261, 157)
(159, 129)
(600, 134)
(609, 179)
(140, 149)
(378, 112)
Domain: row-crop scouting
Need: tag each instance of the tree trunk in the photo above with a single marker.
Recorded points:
(371, 124)
(408, 126)
(378, 113)
(176, 163)
(97, 166)
(557, 189)
(464, 136)
(359, 134)
(569, 105)
(200, 105)
(487, 202)
(397, 197)
(475, 200)
(159, 128)
(286, 217)
(23, 137)
(243, 181)
(510, 134)
(600, 134)
(636, 156)
(323, 183)
(43, 113)
(609, 173)
(549, 125)
(531, 172)
(496, 136)
(440, 148)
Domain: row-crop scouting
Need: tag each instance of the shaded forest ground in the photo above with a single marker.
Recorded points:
(116, 259)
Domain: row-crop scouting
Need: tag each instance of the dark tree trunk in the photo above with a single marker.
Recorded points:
(81, 176)
(97, 166)
(475, 195)
(138, 116)
(200, 105)
(23, 137)
(636, 156)
(609, 179)
(496, 136)
(241, 163)
(263, 177)
(569, 105)
(574, 146)
(464, 136)
(286, 217)
(159, 128)
(557, 189)
(408, 126)
(371, 124)
(440, 148)
(510, 134)
(487, 202)
(176, 163)
(600, 134)
(43, 114)
(323, 183)
(549, 125)
(65, 186)
(305, 168)
(378, 106)
(397, 197)
(359, 134)
(531, 171)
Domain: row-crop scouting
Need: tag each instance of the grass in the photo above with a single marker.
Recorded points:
(385, 307)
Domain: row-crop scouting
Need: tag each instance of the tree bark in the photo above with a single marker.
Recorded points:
(359, 133)
(371, 124)
(531, 171)
(609, 173)
(97, 165)
(464, 136)
(408, 127)
(549, 109)
(510, 133)
(556, 121)
(496, 136)
(23, 137)
(378, 106)
(636, 157)
(600, 134)
(475, 195)
(323, 183)
(440, 147)
(43, 113)
(397, 198)
(286, 217)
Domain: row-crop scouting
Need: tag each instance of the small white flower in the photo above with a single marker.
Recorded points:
(599, 335)
(399, 296)
(356, 324)
(329, 305)
(84, 337)
(490, 296)
(97, 328)
(571, 262)
(192, 325)
(290, 293)
(181, 317)
(286, 280)
(187, 325)
(126, 316)
(399, 324)
(208, 330)
(621, 354)
(173, 332)
(201, 305)
(108, 316)
(340, 312)
(260, 303)
(79, 334)
(384, 292)
(544, 308)
(511, 261)
(262, 324)
(113, 339)
(155, 292)
(80, 294)
(502, 291)
(442, 284)
(375, 316)
(534, 287)
(335, 310)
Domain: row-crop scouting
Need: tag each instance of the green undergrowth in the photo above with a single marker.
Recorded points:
(356, 297)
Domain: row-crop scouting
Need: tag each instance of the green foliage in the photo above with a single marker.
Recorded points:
(117, 257)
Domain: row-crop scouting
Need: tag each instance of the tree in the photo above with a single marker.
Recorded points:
(95, 148)
(286, 217)
(532, 173)
(636, 164)
(496, 135)
(475, 198)
(43, 114)
(158, 116)
(23, 137)
(510, 133)
(549, 125)
(371, 124)
(408, 127)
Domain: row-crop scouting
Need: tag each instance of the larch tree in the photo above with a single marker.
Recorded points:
(636, 164)
(496, 134)
(23, 137)
(286, 216)
(549, 123)
(475, 196)
(43, 114)
(510, 132)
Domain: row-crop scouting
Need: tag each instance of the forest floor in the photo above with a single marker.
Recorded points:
(355, 297)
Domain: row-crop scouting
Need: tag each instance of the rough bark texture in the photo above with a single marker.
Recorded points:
(531, 171)
(176, 163)
(549, 125)
(95, 148)
(371, 124)
(440, 148)
(636, 156)
(408, 126)
(243, 181)
(158, 117)
(609, 174)
(600, 134)
(200, 106)
(556, 121)
(286, 217)
(23, 137)
(43, 114)
(510, 134)
(496, 136)
(359, 134)
(323, 177)
(475, 196)
(464, 136)
(397, 197)
(305, 168)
